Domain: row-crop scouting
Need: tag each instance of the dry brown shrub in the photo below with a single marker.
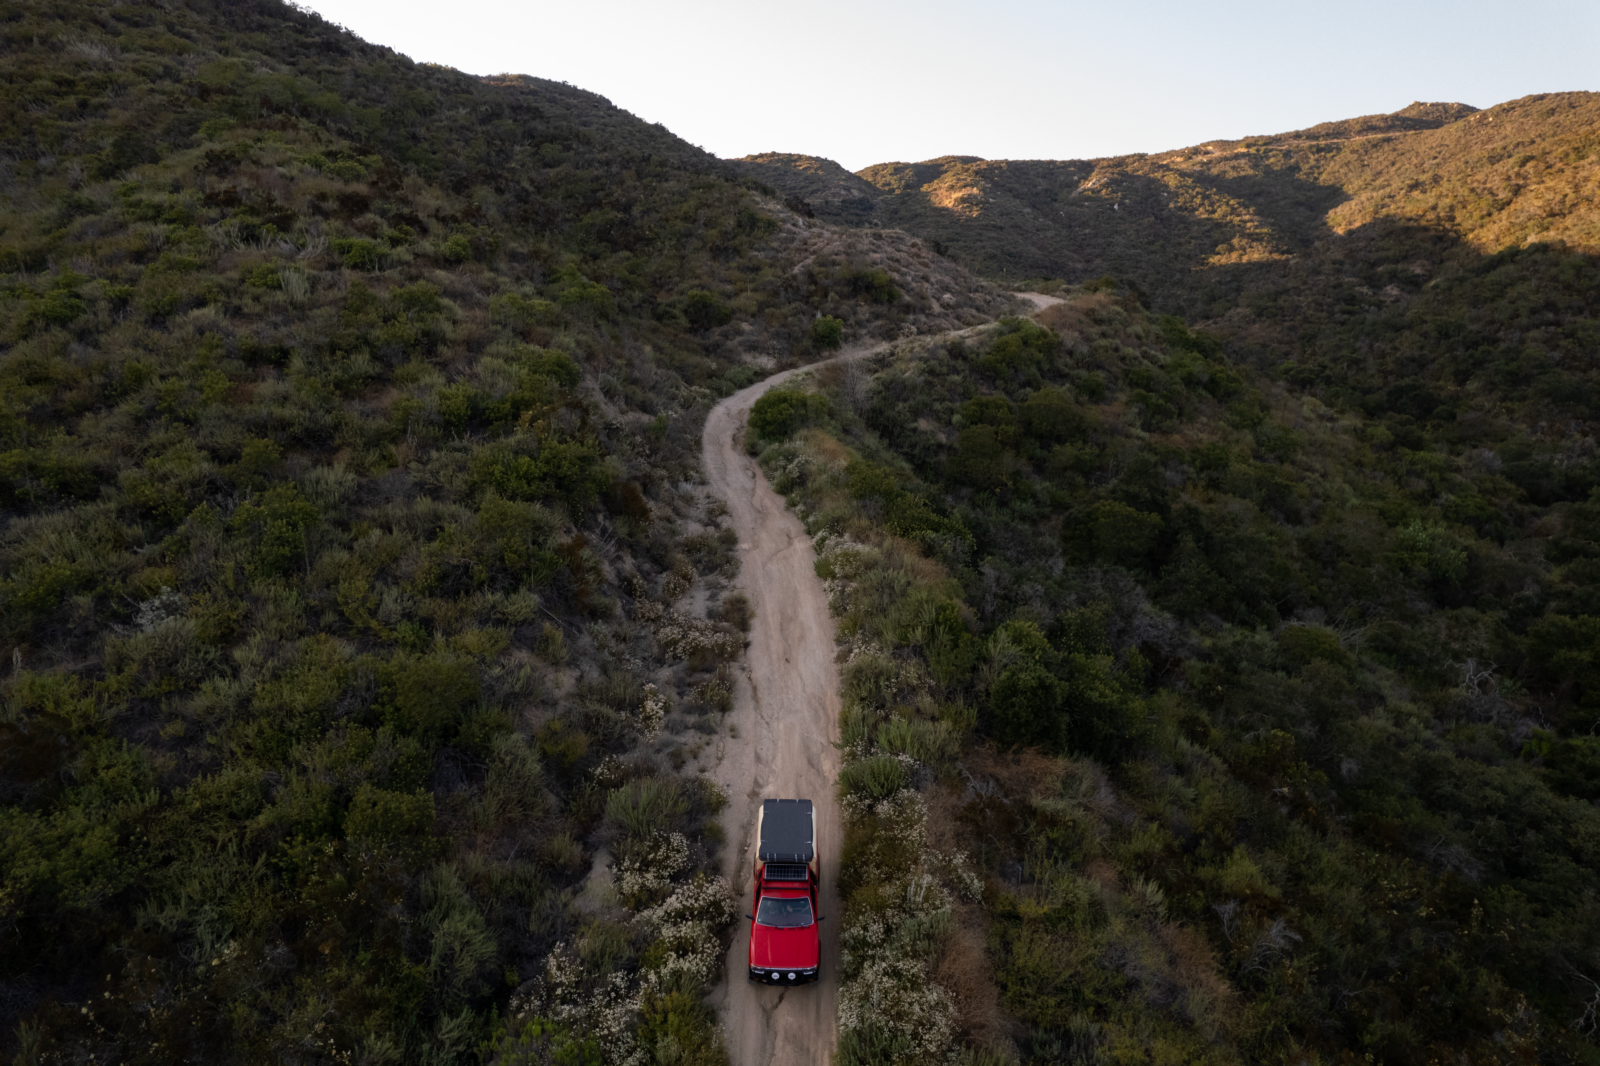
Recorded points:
(1074, 315)
(830, 375)
(962, 966)
(1018, 773)
(1194, 960)
(1104, 873)
(1212, 1000)
(822, 444)
(908, 557)
(944, 809)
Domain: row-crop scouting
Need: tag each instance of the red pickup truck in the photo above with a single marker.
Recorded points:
(785, 948)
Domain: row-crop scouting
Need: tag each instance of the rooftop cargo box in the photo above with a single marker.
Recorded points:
(787, 830)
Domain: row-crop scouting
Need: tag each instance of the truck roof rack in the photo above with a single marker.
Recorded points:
(786, 871)
(787, 828)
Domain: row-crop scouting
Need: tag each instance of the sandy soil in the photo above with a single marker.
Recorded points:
(786, 717)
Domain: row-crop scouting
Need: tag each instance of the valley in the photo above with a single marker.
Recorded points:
(436, 510)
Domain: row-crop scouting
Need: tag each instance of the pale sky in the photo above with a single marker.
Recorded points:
(874, 81)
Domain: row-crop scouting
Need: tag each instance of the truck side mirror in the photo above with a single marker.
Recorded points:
(751, 917)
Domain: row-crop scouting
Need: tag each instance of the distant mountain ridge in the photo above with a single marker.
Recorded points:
(1221, 202)
(1439, 243)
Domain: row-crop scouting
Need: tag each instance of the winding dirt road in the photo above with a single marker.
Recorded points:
(785, 719)
(783, 726)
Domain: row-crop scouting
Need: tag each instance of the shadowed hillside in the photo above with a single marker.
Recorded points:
(1250, 668)
(365, 622)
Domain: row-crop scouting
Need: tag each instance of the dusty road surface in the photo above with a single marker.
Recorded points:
(786, 713)
(1039, 300)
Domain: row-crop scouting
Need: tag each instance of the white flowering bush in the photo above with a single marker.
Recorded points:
(686, 947)
(956, 868)
(695, 639)
(604, 1013)
(652, 711)
(715, 794)
(788, 475)
(892, 993)
(839, 557)
(649, 870)
(888, 940)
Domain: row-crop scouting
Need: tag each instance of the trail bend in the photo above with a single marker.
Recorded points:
(785, 721)
(783, 728)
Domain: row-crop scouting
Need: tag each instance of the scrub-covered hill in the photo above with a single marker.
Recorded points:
(1188, 719)
(1494, 179)
(1437, 269)
(364, 619)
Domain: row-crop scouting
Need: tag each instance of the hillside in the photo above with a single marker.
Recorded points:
(1495, 178)
(1248, 667)
(1187, 719)
(1436, 267)
(366, 622)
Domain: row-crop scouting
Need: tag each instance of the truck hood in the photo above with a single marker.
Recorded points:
(794, 949)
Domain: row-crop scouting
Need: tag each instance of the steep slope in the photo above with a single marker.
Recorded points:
(831, 192)
(1187, 719)
(365, 626)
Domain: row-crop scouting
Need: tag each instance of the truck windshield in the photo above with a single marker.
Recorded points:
(784, 913)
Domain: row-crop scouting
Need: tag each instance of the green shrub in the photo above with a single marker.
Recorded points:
(645, 808)
(430, 695)
(873, 283)
(378, 818)
(1049, 416)
(277, 521)
(538, 1042)
(565, 470)
(547, 362)
(1112, 531)
(876, 777)
(705, 310)
(681, 1028)
(359, 253)
(588, 296)
(1019, 346)
(780, 412)
(827, 333)
(522, 313)
(1301, 645)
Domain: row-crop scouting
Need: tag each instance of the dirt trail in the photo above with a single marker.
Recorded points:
(1039, 300)
(786, 713)
(785, 719)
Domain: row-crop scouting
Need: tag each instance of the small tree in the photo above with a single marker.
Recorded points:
(827, 333)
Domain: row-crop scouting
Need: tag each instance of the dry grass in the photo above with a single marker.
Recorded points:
(963, 967)
(908, 557)
(1018, 773)
(1075, 316)
(822, 445)
(1194, 966)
